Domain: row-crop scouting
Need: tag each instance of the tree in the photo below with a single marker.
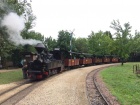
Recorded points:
(64, 40)
(93, 43)
(21, 8)
(122, 38)
(100, 43)
(108, 33)
(5, 47)
(135, 41)
(50, 43)
(32, 35)
(106, 44)
(81, 45)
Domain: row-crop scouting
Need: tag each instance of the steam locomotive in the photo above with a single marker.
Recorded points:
(56, 61)
(44, 65)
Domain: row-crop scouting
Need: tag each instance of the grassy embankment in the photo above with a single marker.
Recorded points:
(11, 76)
(123, 83)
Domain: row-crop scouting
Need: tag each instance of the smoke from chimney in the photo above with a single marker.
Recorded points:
(15, 24)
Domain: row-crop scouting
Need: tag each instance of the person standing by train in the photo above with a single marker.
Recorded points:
(24, 69)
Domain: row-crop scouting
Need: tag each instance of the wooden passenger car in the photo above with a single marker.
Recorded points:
(114, 59)
(97, 59)
(69, 59)
(106, 59)
(85, 59)
(71, 62)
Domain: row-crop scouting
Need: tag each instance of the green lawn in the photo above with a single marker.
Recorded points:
(123, 83)
(11, 76)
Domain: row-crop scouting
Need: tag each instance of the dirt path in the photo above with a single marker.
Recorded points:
(68, 88)
(8, 70)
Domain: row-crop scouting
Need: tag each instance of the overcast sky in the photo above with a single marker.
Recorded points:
(83, 15)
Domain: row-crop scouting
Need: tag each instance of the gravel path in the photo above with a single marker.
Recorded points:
(68, 88)
(8, 70)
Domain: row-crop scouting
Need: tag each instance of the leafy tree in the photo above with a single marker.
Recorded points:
(135, 41)
(122, 38)
(100, 43)
(106, 45)
(5, 48)
(64, 40)
(21, 8)
(108, 33)
(93, 43)
(50, 43)
(32, 35)
(81, 45)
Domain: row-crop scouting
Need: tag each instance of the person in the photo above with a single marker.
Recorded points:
(24, 69)
(21, 63)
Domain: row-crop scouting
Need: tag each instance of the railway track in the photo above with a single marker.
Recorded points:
(10, 93)
(15, 94)
(94, 93)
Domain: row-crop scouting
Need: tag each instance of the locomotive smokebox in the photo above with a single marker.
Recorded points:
(39, 47)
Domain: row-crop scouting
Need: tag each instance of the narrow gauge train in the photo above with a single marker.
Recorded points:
(56, 61)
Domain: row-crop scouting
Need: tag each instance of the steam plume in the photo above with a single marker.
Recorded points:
(14, 25)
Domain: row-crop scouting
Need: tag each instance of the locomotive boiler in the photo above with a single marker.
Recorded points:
(44, 65)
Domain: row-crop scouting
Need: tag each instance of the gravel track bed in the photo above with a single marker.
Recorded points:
(67, 88)
(18, 93)
(93, 94)
(8, 87)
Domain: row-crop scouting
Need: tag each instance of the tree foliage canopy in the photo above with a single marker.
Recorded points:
(122, 43)
(7, 48)
(123, 36)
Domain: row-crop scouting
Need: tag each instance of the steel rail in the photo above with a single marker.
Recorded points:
(92, 76)
(98, 88)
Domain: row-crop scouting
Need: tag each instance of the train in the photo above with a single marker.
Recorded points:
(47, 63)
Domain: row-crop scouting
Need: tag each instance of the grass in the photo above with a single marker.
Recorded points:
(11, 76)
(123, 83)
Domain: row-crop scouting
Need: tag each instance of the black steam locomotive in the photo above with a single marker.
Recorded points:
(44, 65)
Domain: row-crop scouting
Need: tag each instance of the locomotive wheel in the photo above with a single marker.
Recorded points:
(50, 73)
(55, 71)
(58, 70)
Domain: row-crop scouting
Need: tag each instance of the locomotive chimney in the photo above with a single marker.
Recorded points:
(39, 47)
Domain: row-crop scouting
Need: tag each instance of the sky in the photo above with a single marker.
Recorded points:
(83, 16)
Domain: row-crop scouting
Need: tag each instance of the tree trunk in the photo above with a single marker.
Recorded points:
(122, 61)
